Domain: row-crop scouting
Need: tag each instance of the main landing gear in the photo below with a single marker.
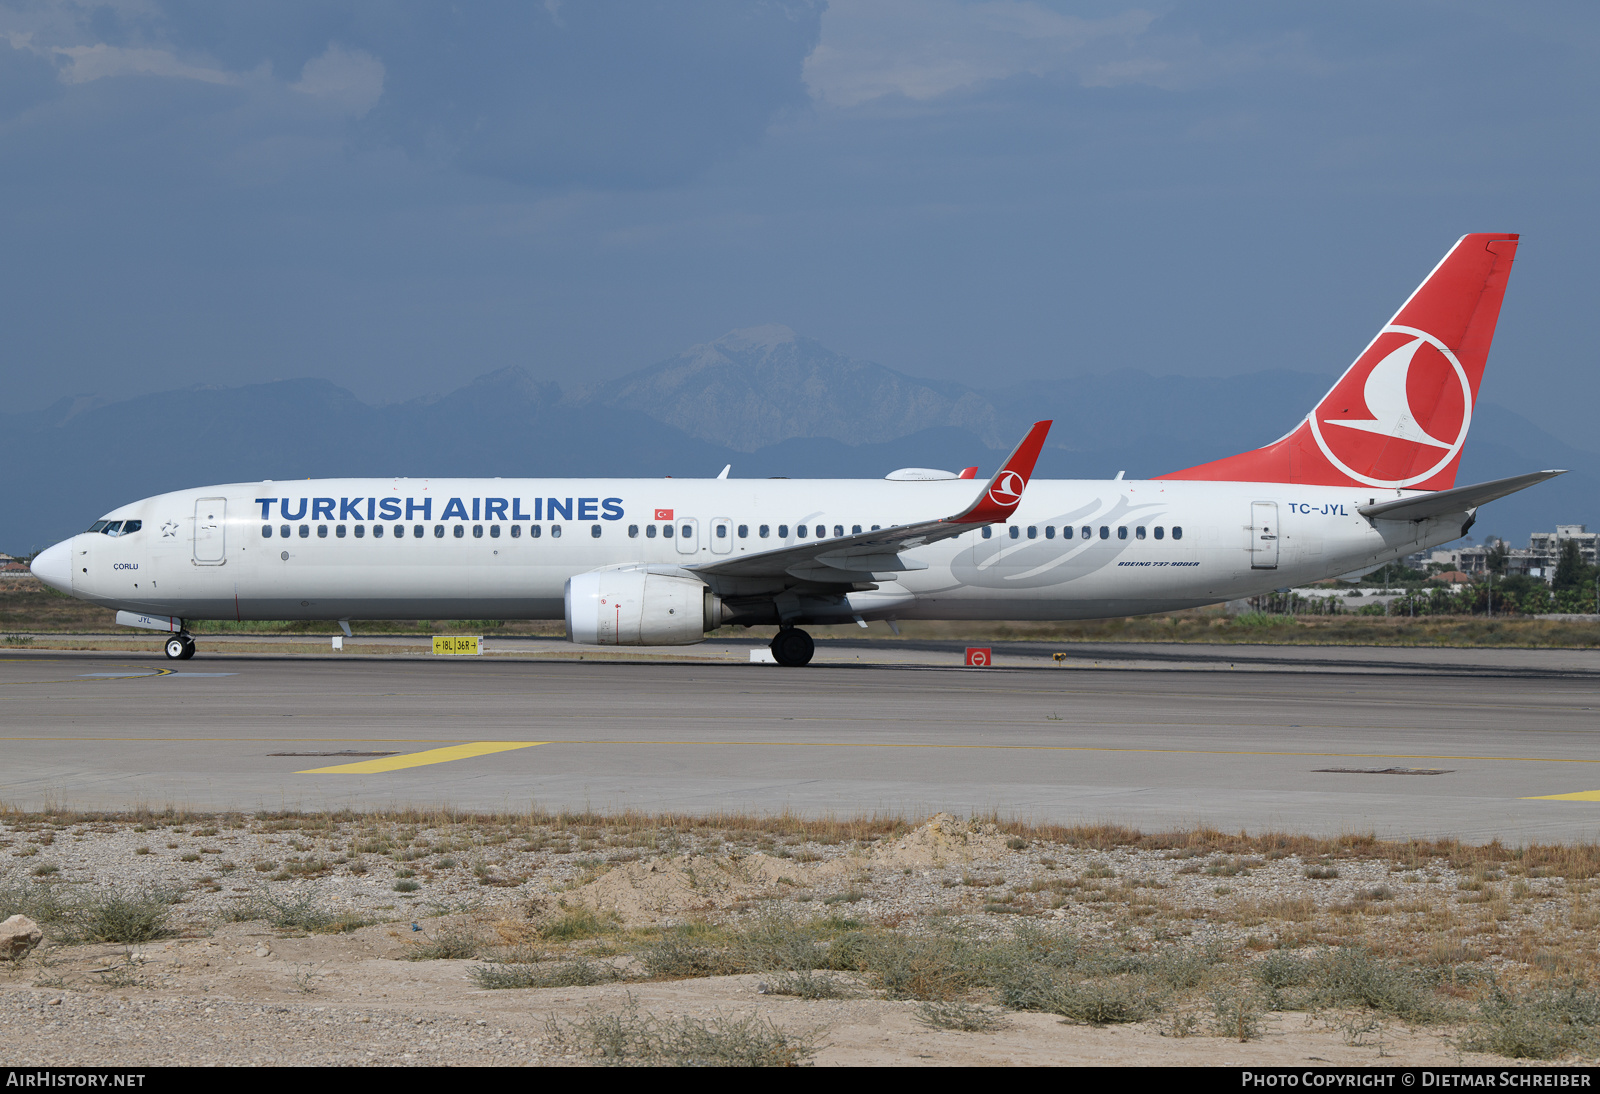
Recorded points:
(180, 647)
(792, 646)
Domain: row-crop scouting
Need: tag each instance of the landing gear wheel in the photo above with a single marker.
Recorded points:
(188, 648)
(792, 646)
(177, 649)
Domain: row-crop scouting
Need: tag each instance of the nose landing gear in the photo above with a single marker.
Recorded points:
(792, 646)
(180, 647)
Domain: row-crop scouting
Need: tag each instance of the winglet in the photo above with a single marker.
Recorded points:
(1004, 492)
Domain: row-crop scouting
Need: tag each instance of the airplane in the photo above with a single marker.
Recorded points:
(1366, 477)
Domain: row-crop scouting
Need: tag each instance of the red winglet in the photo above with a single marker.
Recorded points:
(1004, 492)
(968, 473)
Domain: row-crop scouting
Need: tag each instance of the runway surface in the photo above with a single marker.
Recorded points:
(1308, 739)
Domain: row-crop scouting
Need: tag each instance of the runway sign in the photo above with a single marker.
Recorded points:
(459, 645)
(978, 657)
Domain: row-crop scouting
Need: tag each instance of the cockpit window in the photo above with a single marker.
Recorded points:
(98, 526)
(113, 528)
(131, 526)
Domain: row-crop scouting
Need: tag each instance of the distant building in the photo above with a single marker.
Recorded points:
(1539, 559)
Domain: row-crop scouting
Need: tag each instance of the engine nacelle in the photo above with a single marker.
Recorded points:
(638, 608)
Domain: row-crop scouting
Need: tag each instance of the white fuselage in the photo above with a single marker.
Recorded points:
(505, 548)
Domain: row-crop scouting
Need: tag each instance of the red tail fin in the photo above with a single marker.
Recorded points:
(1399, 416)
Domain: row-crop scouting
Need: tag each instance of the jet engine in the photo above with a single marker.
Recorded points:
(639, 608)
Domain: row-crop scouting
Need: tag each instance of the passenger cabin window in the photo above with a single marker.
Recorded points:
(666, 530)
(360, 530)
(744, 531)
(461, 531)
(516, 531)
(283, 530)
(1033, 531)
(1088, 533)
(1122, 531)
(1177, 533)
(377, 530)
(1105, 532)
(649, 531)
(1014, 532)
(1160, 532)
(838, 529)
(722, 531)
(988, 532)
(305, 531)
(477, 531)
(438, 531)
(1066, 532)
(783, 531)
(535, 531)
(1138, 533)
(340, 531)
(1049, 531)
(764, 531)
(800, 531)
(686, 531)
(594, 531)
(266, 531)
(855, 529)
(416, 531)
(633, 531)
(494, 531)
(555, 531)
(322, 531)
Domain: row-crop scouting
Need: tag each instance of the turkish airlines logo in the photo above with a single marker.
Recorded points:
(1007, 489)
(1407, 404)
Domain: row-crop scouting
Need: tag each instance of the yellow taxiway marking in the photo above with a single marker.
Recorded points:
(1580, 796)
(421, 759)
(139, 673)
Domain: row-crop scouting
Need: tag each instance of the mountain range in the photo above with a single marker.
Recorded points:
(764, 399)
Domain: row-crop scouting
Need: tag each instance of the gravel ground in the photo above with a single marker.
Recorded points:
(224, 986)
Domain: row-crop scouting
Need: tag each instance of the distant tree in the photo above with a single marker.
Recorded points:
(1496, 559)
(1571, 571)
(1393, 573)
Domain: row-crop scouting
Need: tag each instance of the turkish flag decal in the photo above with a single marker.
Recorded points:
(663, 514)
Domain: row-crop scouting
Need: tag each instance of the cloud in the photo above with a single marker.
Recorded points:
(350, 80)
(925, 48)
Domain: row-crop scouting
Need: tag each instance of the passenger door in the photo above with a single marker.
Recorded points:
(688, 535)
(1264, 535)
(210, 531)
(721, 535)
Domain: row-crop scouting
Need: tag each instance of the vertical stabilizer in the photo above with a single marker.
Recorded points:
(1399, 416)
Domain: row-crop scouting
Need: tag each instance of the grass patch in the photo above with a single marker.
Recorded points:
(965, 1017)
(808, 984)
(304, 911)
(629, 1037)
(132, 915)
(1537, 1025)
(567, 974)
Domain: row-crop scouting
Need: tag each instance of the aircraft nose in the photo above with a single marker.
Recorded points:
(53, 566)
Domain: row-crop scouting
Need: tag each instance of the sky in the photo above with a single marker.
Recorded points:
(399, 196)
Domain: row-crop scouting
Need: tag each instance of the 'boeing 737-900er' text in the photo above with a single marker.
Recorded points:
(1367, 476)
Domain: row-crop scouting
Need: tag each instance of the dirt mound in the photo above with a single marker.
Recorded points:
(942, 841)
(648, 892)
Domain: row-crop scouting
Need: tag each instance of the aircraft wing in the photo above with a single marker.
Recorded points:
(846, 560)
(1459, 500)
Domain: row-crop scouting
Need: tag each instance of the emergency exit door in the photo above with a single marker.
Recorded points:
(1264, 533)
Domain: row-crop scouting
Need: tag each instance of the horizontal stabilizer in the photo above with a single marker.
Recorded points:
(1459, 500)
